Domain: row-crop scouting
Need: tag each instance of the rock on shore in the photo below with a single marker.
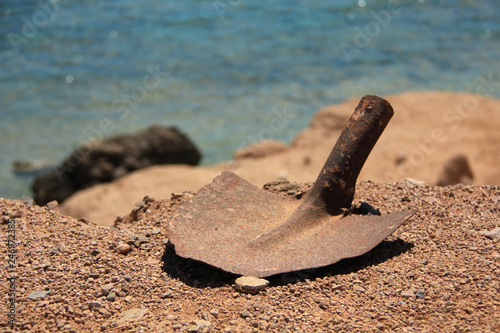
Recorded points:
(105, 161)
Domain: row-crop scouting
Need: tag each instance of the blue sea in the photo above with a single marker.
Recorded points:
(226, 72)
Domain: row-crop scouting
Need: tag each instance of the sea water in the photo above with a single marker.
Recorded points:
(222, 71)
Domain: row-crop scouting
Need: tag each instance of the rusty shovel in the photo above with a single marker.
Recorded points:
(235, 226)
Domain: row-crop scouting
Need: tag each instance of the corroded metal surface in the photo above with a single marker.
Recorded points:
(233, 225)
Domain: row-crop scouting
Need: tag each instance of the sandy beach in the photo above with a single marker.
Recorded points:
(94, 271)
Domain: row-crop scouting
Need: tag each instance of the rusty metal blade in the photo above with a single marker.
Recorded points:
(223, 224)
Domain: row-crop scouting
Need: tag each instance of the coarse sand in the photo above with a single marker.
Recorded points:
(437, 273)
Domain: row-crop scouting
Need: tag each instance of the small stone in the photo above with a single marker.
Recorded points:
(214, 312)
(420, 294)
(83, 220)
(492, 234)
(250, 284)
(27, 200)
(167, 294)
(423, 262)
(122, 248)
(411, 183)
(137, 240)
(132, 314)
(408, 293)
(199, 326)
(41, 304)
(359, 288)
(207, 316)
(105, 313)
(245, 314)
(94, 304)
(38, 294)
(15, 215)
(111, 297)
(176, 195)
(53, 206)
(155, 231)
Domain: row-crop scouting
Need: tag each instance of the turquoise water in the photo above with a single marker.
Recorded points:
(221, 70)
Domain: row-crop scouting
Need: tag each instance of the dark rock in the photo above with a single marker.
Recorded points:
(420, 294)
(105, 161)
(456, 171)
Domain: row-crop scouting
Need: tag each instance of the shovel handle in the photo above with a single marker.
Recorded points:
(334, 187)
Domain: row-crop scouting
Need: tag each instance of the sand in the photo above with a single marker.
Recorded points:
(437, 273)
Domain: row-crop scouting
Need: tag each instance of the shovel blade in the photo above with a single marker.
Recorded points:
(220, 225)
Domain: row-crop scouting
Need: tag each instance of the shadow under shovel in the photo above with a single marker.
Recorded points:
(200, 275)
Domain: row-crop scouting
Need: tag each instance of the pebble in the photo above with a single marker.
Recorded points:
(420, 294)
(408, 293)
(53, 206)
(492, 234)
(94, 304)
(245, 314)
(132, 314)
(359, 288)
(105, 313)
(107, 288)
(411, 183)
(214, 312)
(111, 297)
(123, 248)
(199, 326)
(137, 240)
(38, 294)
(176, 195)
(250, 284)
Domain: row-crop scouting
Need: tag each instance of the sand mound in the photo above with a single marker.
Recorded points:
(437, 273)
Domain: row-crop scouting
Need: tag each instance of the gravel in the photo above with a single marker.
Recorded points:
(437, 273)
